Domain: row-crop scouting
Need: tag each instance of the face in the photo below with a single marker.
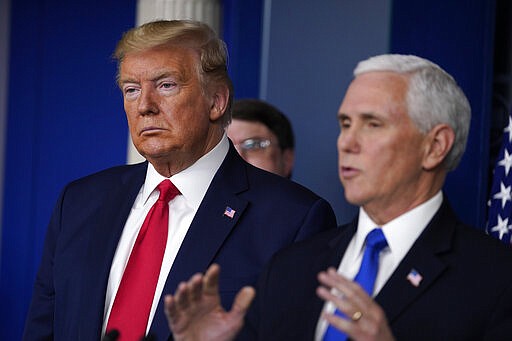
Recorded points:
(172, 121)
(271, 157)
(380, 149)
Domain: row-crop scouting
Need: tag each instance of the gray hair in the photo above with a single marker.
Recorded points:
(433, 97)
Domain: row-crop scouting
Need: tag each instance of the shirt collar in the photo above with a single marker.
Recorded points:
(402, 231)
(192, 182)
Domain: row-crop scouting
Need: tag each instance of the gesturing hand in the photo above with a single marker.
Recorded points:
(194, 312)
(366, 319)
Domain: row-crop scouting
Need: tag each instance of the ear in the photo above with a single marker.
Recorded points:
(288, 162)
(438, 143)
(220, 99)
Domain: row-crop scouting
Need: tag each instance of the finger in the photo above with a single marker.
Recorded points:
(352, 298)
(240, 306)
(170, 308)
(182, 296)
(349, 284)
(346, 287)
(243, 300)
(355, 330)
(176, 318)
(195, 286)
(367, 327)
(328, 295)
(169, 305)
(335, 280)
(343, 304)
(339, 323)
(343, 322)
(338, 284)
(211, 280)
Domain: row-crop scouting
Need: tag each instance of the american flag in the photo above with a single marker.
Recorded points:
(414, 277)
(229, 212)
(499, 219)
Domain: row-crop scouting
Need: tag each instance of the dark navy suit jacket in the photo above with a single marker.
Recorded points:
(465, 293)
(69, 292)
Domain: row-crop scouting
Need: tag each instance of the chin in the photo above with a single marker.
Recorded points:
(355, 199)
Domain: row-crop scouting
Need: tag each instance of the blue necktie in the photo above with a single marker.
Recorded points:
(375, 242)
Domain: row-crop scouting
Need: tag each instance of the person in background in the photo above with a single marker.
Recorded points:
(263, 136)
(406, 268)
(120, 239)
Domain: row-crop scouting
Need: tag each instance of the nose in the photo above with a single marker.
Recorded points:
(348, 140)
(147, 103)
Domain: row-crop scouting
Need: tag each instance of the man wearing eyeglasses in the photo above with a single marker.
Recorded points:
(263, 136)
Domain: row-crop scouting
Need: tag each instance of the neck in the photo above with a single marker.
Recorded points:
(176, 161)
(383, 211)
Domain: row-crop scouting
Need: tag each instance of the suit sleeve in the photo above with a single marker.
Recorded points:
(320, 217)
(39, 322)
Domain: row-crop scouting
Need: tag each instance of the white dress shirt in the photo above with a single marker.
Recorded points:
(192, 183)
(400, 233)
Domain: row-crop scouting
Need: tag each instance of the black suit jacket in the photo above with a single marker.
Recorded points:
(87, 222)
(465, 293)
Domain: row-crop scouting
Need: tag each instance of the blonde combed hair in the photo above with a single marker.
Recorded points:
(196, 35)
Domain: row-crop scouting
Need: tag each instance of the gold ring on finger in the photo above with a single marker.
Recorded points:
(357, 316)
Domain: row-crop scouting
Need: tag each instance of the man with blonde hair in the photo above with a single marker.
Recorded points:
(120, 239)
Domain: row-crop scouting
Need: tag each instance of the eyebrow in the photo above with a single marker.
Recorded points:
(370, 116)
(364, 116)
(158, 76)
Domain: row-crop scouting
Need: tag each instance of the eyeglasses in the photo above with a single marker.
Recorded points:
(253, 144)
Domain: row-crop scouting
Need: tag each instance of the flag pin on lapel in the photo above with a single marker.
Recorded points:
(229, 212)
(414, 277)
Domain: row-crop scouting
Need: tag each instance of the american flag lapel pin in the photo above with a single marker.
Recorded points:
(414, 277)
(229, 212)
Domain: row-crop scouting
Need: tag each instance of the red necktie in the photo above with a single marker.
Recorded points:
(132, 304)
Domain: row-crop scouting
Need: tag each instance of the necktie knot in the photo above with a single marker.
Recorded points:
(376, 240)
(167, 191)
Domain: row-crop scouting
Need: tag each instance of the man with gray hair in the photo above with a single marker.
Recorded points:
(406, 268)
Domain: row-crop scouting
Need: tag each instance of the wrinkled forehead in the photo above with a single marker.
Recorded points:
(376, 91)
(179, 62)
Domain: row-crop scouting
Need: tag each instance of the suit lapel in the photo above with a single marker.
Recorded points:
(399, 292)
(209, 228)
(211, 225)
(108, 225)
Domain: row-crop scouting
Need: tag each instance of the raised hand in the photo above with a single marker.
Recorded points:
(194, 312)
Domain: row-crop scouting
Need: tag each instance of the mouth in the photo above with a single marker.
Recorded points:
(150, 130)
(348, 172)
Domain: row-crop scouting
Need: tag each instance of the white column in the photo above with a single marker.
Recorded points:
(207, 11)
